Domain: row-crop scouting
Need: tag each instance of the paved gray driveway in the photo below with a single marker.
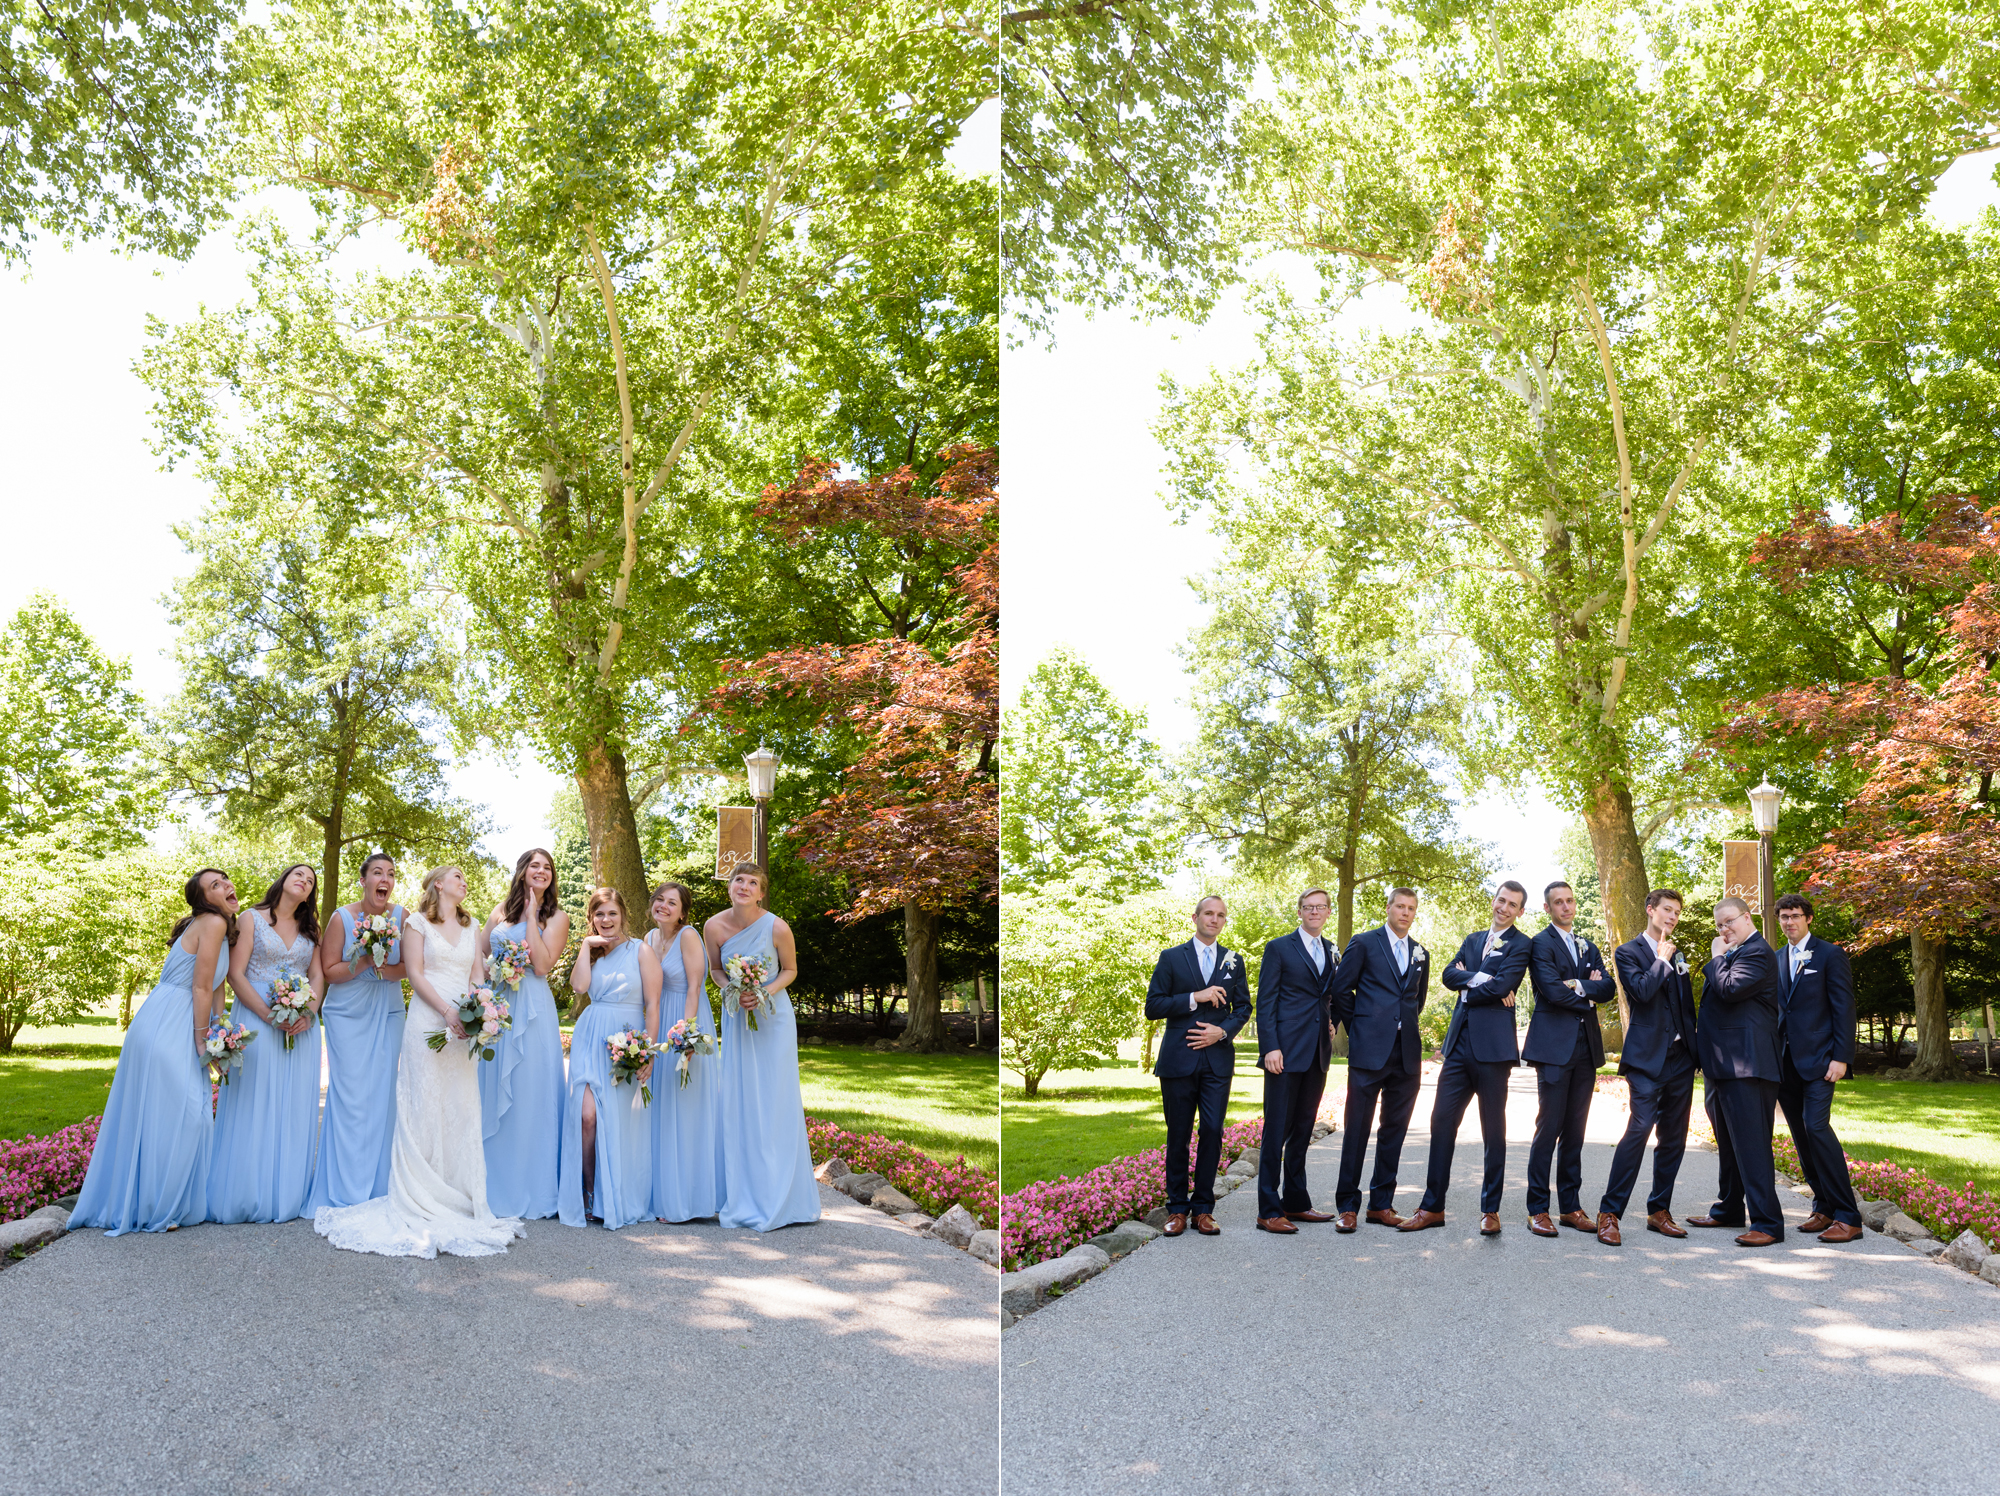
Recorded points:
(1441, 1362)
(254, 1358)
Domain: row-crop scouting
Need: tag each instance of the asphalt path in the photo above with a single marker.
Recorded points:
(1441, 1361)
(257, 1358)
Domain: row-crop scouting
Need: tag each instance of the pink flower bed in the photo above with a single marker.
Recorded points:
(1050, 1216)
(1945, 1210)
(39, 1171)
(933, 1185)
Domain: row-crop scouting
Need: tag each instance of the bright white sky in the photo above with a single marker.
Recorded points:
(91, 512)
(1095, 561)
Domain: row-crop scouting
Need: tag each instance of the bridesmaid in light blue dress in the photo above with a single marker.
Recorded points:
(268, 1113)
(607, 1140)
(767, 1172)
(363, 1015)
(521, 1087)
(686, 1141)
(149, 1168)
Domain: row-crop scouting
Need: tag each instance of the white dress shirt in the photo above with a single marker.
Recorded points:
(1480, 979)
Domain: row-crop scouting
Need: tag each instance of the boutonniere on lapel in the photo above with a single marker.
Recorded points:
(1680, 964)
(1228, 966)
(1421, 955)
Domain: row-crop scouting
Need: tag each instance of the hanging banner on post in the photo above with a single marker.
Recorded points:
(1740, 878)
(735, 838)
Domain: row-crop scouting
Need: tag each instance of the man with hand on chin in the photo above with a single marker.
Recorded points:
(1565, 1045)
(1817, 988)
(1479, 1049)
(1378, 993)
(1659, 1063)
(1199, 989)
(1295, 1037)
(1738, 1033)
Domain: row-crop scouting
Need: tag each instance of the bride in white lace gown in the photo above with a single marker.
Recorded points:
(437, 1166)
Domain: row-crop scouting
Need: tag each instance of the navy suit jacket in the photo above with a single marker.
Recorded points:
(1292, 1006)
(1741, 1016)
(1488, 1025)
(1560, 1014)
(1176, 975)
(1370, 998)
(1662, 1005)
(1819, 1007)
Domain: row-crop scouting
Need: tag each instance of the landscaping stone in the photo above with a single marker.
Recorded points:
(44, 1225)
(1932, 1247)
(1875, 1213)
(1025, 1292)
(1251, 1156)
(985, 1245)
(956, 1227)
(916, 1220)
(860, 1187)
(1008, 1319)
(832, 1169)
(1966, 1252)
(1157, 1219)
(892, 1201)
(1989, 1270)
(1904, 1229)
(1126, 1236)
(1243, 1168)
(1224, 1183)
(67, 1202)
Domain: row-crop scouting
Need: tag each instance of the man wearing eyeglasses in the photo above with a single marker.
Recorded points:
(1738, 1030)
(1295, 1038)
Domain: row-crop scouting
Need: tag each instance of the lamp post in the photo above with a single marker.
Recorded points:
(1764, 801)
(762, 767)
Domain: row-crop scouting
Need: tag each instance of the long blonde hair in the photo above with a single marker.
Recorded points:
(427, 906)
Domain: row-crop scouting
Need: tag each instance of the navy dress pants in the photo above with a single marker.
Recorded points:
(1459, 1082)
(1563, 1092)
(1660, 1107)
(1740, 1112)
(1808, 1104)
(1396, 1087)
(1206, 1094)
(1291, 1101)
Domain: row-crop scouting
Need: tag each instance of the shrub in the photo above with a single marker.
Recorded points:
(933, 1185)
(39, 1171)
(1944, 1210)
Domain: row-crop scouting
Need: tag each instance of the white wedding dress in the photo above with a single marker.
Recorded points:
(437, 1164)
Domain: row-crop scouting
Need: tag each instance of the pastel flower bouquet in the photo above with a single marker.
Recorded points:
(224, 1046)
(374, 936)
(684, 1041)
(631, 1052)
(482, 1015)
(290, 997)
(509, 962)
(746, 976)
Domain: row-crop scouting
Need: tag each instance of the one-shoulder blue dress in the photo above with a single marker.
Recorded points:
(687, 1146)
(364, 1034)
(267, 1115)
(149, 1168)
(767, 1174)
(623, 1180)
(521, 1099)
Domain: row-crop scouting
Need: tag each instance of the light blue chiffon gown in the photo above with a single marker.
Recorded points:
(364, 1033)
(149, 1168)
(267, 1115)
(687, 1147)
(767, 1173)
(521, 1100)
(624, 1175)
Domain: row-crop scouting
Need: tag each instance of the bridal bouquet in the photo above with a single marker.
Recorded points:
(746, 975)
(631, 1052)
(373, 935)
(224, 1046)
(509, 962)
(290, 996)
(482, 1015)
(685, 1041)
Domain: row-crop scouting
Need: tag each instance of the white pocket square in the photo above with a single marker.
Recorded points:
(1806, 971)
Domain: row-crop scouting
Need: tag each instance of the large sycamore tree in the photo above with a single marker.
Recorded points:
(1612, 233)
(621, 219)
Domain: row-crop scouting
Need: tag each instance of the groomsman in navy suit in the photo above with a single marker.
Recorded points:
(1565, 1045)
(1295, 1039)
(1659, 1063)
(1739, 1035)
(1197, 1058)
(1378, 992)
(1817, 987)
(1479, 1049)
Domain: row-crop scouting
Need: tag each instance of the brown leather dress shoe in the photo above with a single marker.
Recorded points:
(1345, 1225)
(1423, 1220)
(1840, 1231)
(1607, 1229)
(1205, 1224)
(1541, 1225)
(1489, 1224)
(1576, 1220)
(1387, 1218)
(1307, 1215)
(1277, 1225)
(1176, 1224)
(1663, 1222)
(1815, 1223)
(1712, 1221)
(1756, 1239)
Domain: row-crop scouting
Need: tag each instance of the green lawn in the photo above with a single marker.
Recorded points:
(943, 1104)
(56, 1076)
(1949, 1131)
